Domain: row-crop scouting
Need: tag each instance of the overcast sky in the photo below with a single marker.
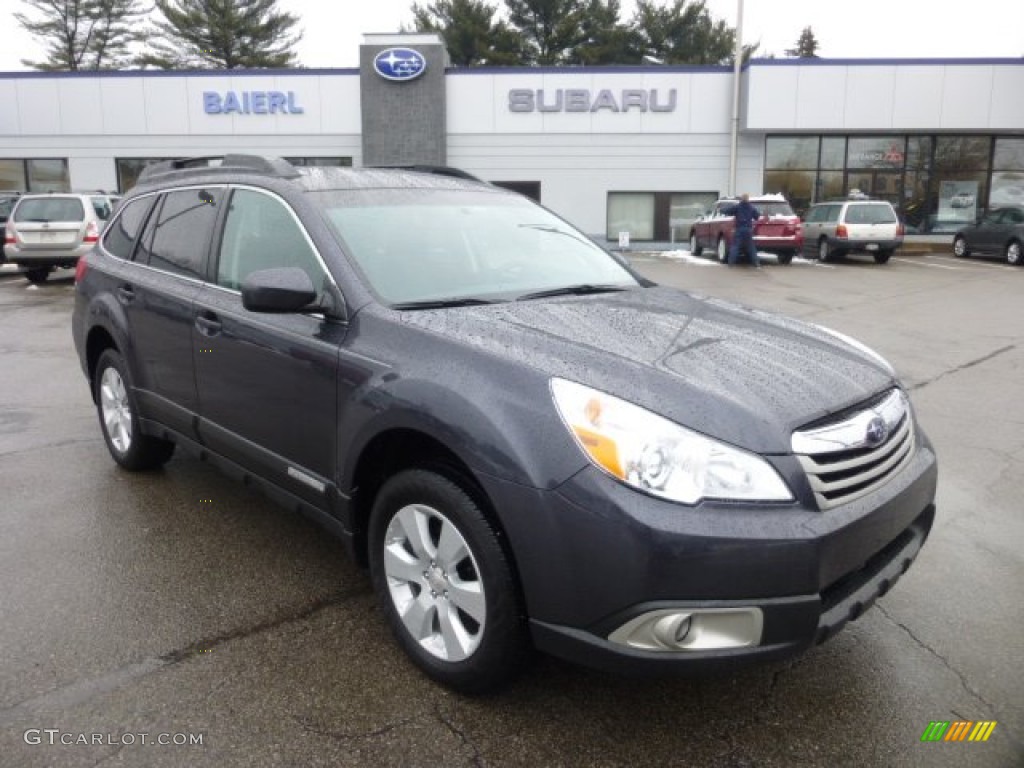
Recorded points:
(845, 29)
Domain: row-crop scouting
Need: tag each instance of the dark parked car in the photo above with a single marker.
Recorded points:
(999, 232)
(529, 444)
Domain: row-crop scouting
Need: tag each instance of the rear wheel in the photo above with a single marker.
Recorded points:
(1013, 254)
(119, 417)
(786, 257)
(881, 257)
(960, 249)
(444, 583)
(824, 252)
(38, 274)
(722, 250)
(695, 248)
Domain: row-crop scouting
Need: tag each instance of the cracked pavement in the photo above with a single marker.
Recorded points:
(130, 607)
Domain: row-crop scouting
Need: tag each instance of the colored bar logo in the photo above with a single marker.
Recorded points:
(958, 730)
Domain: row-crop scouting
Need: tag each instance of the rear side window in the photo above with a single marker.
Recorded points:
(870, 214)
(181, 237)
(119, 239)
(50, 209)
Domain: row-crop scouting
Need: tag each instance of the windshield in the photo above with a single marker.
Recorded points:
(422, 245)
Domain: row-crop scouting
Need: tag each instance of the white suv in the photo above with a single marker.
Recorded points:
(834, 229)
(54, 230)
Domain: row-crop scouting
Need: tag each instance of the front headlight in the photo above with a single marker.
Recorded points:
(654, 455)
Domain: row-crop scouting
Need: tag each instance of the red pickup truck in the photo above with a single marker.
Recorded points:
(778, 231)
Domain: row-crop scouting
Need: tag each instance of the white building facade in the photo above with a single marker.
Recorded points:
(638, 149)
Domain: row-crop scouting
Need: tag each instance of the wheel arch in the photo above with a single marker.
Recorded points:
(395, 449)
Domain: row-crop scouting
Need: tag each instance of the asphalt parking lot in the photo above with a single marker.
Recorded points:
(181, 604)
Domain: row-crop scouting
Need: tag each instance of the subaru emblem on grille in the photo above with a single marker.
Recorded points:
(876, 432)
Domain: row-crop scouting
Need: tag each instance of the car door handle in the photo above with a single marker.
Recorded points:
(127, 293)
(208, 324)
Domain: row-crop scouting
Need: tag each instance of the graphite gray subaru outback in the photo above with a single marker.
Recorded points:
(530, 445)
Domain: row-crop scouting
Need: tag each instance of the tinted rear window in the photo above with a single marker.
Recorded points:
(120, 237)
(870, 214)
(50, 209)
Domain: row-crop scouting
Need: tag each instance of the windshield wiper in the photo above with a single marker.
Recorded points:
(466, 301)
(572, 290)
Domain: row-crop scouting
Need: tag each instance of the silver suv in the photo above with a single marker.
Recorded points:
(53, 230)
(834, 229)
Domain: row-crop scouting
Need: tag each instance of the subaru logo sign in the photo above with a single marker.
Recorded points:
(876, 432)
(399, 64)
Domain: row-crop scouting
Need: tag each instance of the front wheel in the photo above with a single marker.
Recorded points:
(444, 582)
(1013, 254)
(119, 417)
(695, 248)
(723, 250)
(37, 275)
(960, 249)
(882, 257)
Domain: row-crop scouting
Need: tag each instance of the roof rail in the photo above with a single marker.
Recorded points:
(437, 170)
(269, 166)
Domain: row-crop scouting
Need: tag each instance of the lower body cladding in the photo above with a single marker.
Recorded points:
(620, 580)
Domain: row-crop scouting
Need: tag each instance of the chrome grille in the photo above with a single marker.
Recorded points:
(851, 457)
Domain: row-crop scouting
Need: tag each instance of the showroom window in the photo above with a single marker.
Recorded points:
(1007, 172)
(658, 216)
(936, 182)
(129, 168)
(35, 175)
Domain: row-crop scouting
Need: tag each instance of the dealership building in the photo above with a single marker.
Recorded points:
(640, 149)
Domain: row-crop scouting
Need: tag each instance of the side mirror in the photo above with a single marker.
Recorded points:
(282, 290)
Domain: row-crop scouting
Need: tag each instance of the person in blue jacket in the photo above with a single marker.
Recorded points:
(746, 214)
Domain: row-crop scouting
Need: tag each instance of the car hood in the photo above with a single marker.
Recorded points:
(735, 373)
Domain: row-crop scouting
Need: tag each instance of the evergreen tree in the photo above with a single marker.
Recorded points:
(222, 34)
(684, 33)
(806, 45)
(470, 33)
(605, 39)
(83, 34)
(551, 29)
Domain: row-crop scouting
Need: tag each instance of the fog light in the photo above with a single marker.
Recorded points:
(685, 629)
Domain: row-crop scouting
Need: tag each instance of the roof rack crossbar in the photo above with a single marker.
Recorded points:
(270, 166)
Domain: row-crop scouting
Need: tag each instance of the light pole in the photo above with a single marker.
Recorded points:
(737, 63)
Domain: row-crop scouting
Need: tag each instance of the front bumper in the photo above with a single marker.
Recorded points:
(593, 555)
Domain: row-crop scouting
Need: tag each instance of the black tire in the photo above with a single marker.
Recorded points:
(500, 638)
(695, 246)
(37, 274)
(127, 445)
(824, 252)
(1014, 253)
(960, 248)
(786, 257)
(722, 250)
(882, 257)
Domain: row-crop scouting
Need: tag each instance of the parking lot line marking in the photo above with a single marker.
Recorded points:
(917, 263)
(967, 264)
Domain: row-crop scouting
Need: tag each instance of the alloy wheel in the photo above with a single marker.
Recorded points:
(1013, 254)
(434, 582)
(117, 413)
